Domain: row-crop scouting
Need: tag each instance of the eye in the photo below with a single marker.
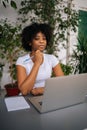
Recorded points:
(36, 38)
(44, 38)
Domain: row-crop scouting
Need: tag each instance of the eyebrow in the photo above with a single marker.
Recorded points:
(43, 35)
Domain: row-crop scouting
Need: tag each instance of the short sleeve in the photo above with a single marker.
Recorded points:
(20, 61)
(54, 61)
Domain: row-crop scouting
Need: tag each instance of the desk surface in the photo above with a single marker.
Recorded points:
(71, 118)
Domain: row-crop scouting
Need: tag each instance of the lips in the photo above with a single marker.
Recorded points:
(42, 47)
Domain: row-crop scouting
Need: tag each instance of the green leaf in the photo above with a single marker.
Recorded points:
(13, 4)
(4, 4)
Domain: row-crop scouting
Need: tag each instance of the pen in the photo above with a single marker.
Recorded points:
(28, 59)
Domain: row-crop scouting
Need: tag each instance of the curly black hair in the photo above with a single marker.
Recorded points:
(29, 33)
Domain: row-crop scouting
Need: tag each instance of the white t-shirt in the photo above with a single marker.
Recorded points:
(45, 70)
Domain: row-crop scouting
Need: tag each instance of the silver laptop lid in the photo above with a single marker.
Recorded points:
(61, 92)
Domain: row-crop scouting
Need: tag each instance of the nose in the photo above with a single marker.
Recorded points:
(41, 40)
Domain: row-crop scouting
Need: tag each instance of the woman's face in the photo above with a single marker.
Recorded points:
(39, 42)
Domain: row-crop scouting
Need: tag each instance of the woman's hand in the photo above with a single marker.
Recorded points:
(38, 57)
(37, 91)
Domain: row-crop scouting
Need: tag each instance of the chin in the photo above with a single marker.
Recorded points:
(42, 49)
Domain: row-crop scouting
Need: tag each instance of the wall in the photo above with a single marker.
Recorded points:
(8, 12)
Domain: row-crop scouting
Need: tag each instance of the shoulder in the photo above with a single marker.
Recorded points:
(51, 59)
(50, 56)
(22, 59)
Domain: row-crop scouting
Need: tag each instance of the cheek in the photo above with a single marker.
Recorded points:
(46, 44)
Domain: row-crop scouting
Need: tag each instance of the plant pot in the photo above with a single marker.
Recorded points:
(11, 90)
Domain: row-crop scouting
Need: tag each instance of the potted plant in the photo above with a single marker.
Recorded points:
(79, 57)
(67, 69)
(9, 50)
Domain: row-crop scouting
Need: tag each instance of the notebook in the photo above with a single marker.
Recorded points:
(61, 92)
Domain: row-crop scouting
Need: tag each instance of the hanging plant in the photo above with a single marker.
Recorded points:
(57, 13)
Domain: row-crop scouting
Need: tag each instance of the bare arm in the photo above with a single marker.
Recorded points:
(38, 91)
(26, 83)
(57, 70)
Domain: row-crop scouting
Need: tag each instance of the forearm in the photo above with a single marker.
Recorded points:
(37, 91)
(28, 83)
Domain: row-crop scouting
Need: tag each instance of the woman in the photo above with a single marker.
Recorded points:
(35, 67)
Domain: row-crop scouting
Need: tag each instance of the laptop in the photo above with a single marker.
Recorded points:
(61, 92)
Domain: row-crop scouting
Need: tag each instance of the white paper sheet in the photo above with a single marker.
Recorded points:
(16, 103)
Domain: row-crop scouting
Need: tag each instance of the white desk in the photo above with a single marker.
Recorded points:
(71, 118)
